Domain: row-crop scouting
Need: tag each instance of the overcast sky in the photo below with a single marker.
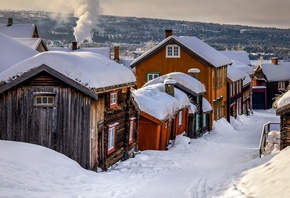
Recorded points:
(266, 13)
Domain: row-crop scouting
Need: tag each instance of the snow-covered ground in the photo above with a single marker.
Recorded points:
(223, 163)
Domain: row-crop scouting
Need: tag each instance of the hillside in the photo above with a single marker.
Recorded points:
(133, 31)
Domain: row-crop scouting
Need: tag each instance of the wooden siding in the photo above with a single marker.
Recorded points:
(121, 114)
(284, 130)
(158, 62)
(64, 127)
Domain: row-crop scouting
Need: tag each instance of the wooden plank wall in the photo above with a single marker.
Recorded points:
(64, 127)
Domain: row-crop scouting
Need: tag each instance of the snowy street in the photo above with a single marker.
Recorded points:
(210, 166)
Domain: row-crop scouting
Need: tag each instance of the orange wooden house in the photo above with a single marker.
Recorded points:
(181, 53)
(163, 115)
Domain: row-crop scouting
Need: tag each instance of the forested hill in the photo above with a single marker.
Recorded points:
(137, 31)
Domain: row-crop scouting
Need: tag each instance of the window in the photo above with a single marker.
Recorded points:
(113, 100)
(44, 99)
(281, 86)
(172, 51)
(112, 137)
(180, 118)
(152, 75)
(197, 122)
(131, 130)
(204, 120)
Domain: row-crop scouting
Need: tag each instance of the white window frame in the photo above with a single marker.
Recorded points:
(172, 51)
(112, 137)
(131, 129)
(113, 99)
(45, 99)
(281, 86)
(180, 118)
(153, 75)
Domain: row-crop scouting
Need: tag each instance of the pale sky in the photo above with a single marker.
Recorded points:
(266, 13)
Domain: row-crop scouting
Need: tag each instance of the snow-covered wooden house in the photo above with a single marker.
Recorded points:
(78, 104)
(163, 114)
(270, 80)
(199, 113)
(181, 53)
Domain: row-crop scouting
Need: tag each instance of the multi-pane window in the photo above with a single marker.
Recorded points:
(152, 75)
(180, 118)
(281, 86)
(111, 137)
(172, 51)
(44, 99)
(113, 99)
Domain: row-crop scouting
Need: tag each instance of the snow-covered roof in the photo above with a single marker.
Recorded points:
(18, 30)
(105, 51)
(284, 100)
(244, 67)
(241, 56)
(235, 74)
(30, 42)
(89, 69)
(192, 108)
(183, 79)
(194, 45)
(13, 52)
(154, 101)
(206, 107)
(279, 72)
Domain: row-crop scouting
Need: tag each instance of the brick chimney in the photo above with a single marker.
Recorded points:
(74, 45)
(168, 33)
(169, 86)
(116, 53)
(10, 22)
(274, 60)
(194, 72)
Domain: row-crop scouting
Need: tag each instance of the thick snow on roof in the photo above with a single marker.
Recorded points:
(105, 51)
(154, 101)
(18, 30)
(280, 72)
(183, 79)
(241, 56)
(88, 69)
(242, 66)
(204, 50)
(13, 52)
(206, 107)
(284, 100)
(30, 42)
(197, 46)
(235, 74)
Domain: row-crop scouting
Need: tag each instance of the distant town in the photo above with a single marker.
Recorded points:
(136, 34)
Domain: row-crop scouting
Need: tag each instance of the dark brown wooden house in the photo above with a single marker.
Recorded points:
(77, 104)
(163, 115)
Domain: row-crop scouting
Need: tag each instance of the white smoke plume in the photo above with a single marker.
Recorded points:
(87, 12)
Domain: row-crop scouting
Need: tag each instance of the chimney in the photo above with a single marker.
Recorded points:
(274, 60)
(10, 22)
(168, 33)
(116, 53)
(194, 72)
(74, 45)
(169, 86)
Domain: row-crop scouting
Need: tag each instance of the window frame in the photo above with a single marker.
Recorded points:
(153, 74)
(281, 86)
(131, 130)
(42, 96)
(111, 140)
(171, 48)
(113, 99)
(180, 118)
